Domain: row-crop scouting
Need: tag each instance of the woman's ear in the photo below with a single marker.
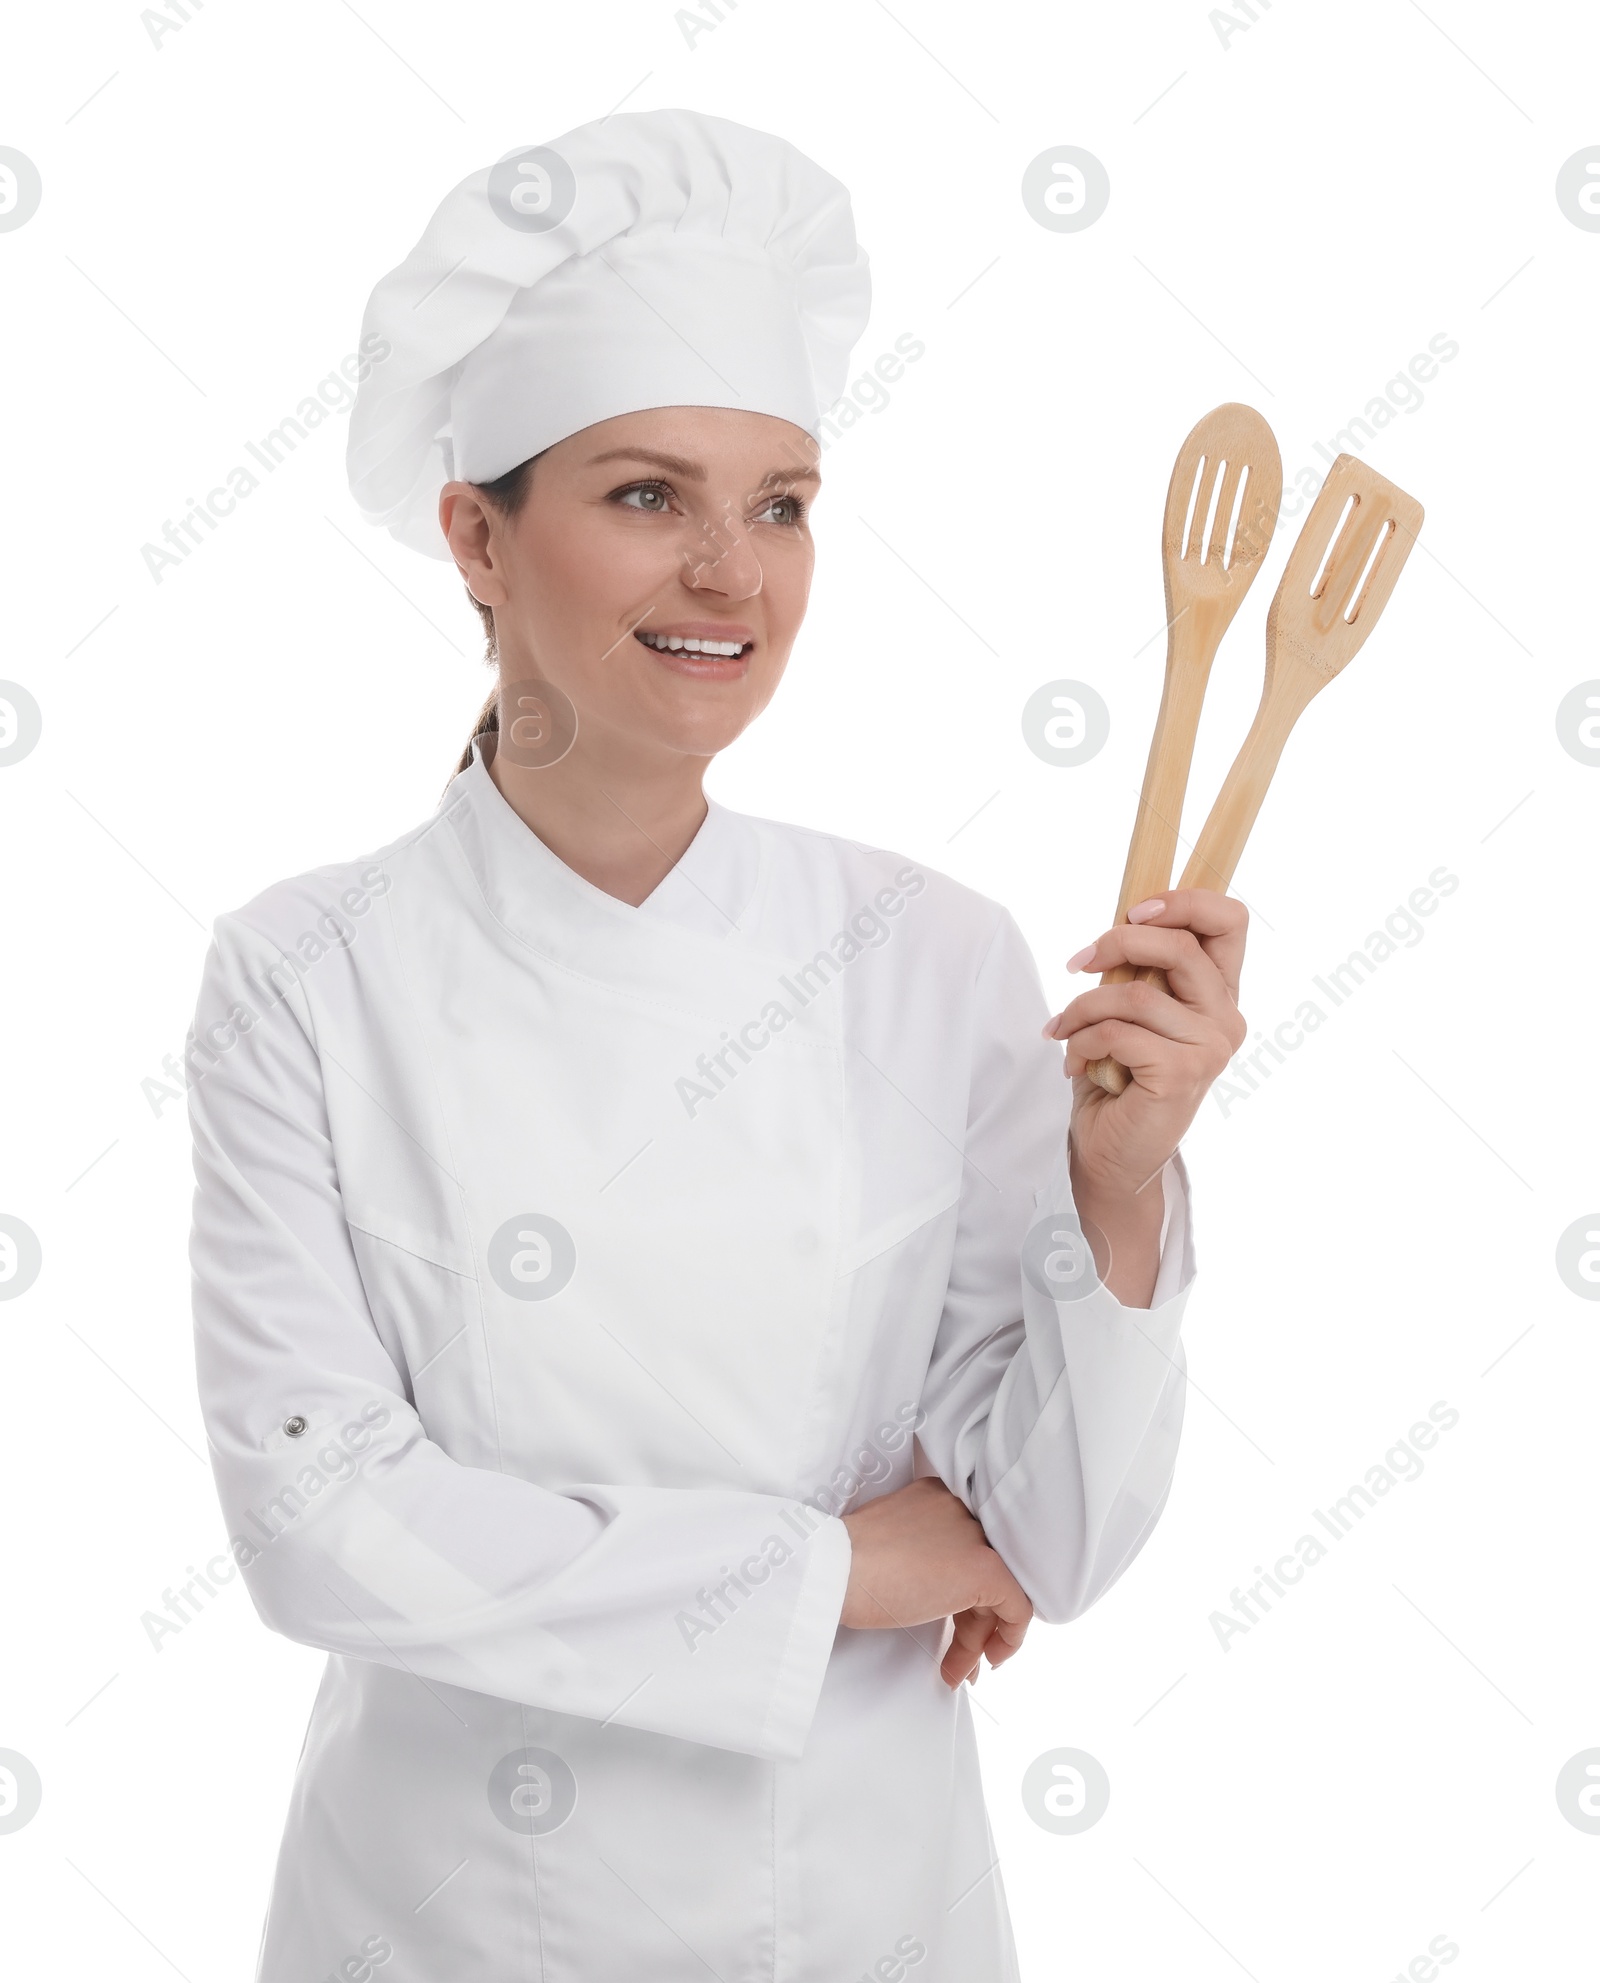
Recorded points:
(469, 531)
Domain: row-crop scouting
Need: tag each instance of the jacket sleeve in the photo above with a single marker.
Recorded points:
(1052, 1410)
(358, 1533)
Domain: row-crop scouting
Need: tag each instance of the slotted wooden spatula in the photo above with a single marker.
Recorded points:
(1222, 508)
(1350, 551)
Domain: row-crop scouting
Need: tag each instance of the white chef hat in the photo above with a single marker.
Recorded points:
(652, 258)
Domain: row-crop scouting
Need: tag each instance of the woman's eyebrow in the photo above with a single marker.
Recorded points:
(791, 475)
(692, 471)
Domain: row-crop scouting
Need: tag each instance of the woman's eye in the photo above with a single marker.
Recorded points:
(654, 498)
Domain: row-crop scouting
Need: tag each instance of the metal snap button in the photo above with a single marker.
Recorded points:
(294, 1426)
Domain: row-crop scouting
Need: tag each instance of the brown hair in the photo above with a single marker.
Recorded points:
(506, 494)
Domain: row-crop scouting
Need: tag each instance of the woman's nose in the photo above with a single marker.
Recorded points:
(724, 561)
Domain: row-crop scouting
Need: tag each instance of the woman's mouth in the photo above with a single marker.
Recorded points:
(710, 657)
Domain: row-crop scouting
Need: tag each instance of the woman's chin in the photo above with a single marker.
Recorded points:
(692, 712)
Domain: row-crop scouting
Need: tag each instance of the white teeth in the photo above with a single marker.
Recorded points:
(692, 645)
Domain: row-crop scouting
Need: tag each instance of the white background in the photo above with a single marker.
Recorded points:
(1297, 207)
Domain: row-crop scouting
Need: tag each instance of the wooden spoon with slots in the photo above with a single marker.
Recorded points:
(1350, 551)
(1206, 578)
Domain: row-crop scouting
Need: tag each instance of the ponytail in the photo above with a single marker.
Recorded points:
(488, 720)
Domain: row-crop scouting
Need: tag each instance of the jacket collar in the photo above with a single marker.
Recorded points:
(687, 942)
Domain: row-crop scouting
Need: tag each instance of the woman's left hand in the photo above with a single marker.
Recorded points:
(1174, 1043)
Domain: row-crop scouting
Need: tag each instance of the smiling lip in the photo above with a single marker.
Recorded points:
(692, 661)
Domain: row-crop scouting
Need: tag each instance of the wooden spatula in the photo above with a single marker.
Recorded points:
(1351, 549)
(1222, 508)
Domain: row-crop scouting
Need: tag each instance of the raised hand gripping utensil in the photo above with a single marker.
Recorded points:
(1222, 508)
(1350, 551)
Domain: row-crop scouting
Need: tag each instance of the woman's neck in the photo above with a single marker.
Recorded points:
(623, 829)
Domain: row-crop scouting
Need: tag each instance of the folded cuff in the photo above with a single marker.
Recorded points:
(825, 1571)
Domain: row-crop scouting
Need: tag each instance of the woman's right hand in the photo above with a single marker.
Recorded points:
(918, 1554)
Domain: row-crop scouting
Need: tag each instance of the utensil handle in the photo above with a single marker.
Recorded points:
(1222, 840)
(1227, 828)
(1166, 772)
(1192, 646)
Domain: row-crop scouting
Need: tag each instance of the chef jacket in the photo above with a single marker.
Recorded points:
(564, 1270)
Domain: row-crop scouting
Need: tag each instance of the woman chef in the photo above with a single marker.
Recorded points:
(601, 1224)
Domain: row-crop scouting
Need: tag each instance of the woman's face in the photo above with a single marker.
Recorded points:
(683, 523)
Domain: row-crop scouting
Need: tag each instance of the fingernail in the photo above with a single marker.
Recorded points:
(1048, 1030)
(1078, 961)
(1144, 912)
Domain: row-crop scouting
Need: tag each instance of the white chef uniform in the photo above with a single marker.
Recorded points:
(589, 1715)
(565, 1269)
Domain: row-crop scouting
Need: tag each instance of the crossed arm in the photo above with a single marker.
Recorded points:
(918, 1554)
